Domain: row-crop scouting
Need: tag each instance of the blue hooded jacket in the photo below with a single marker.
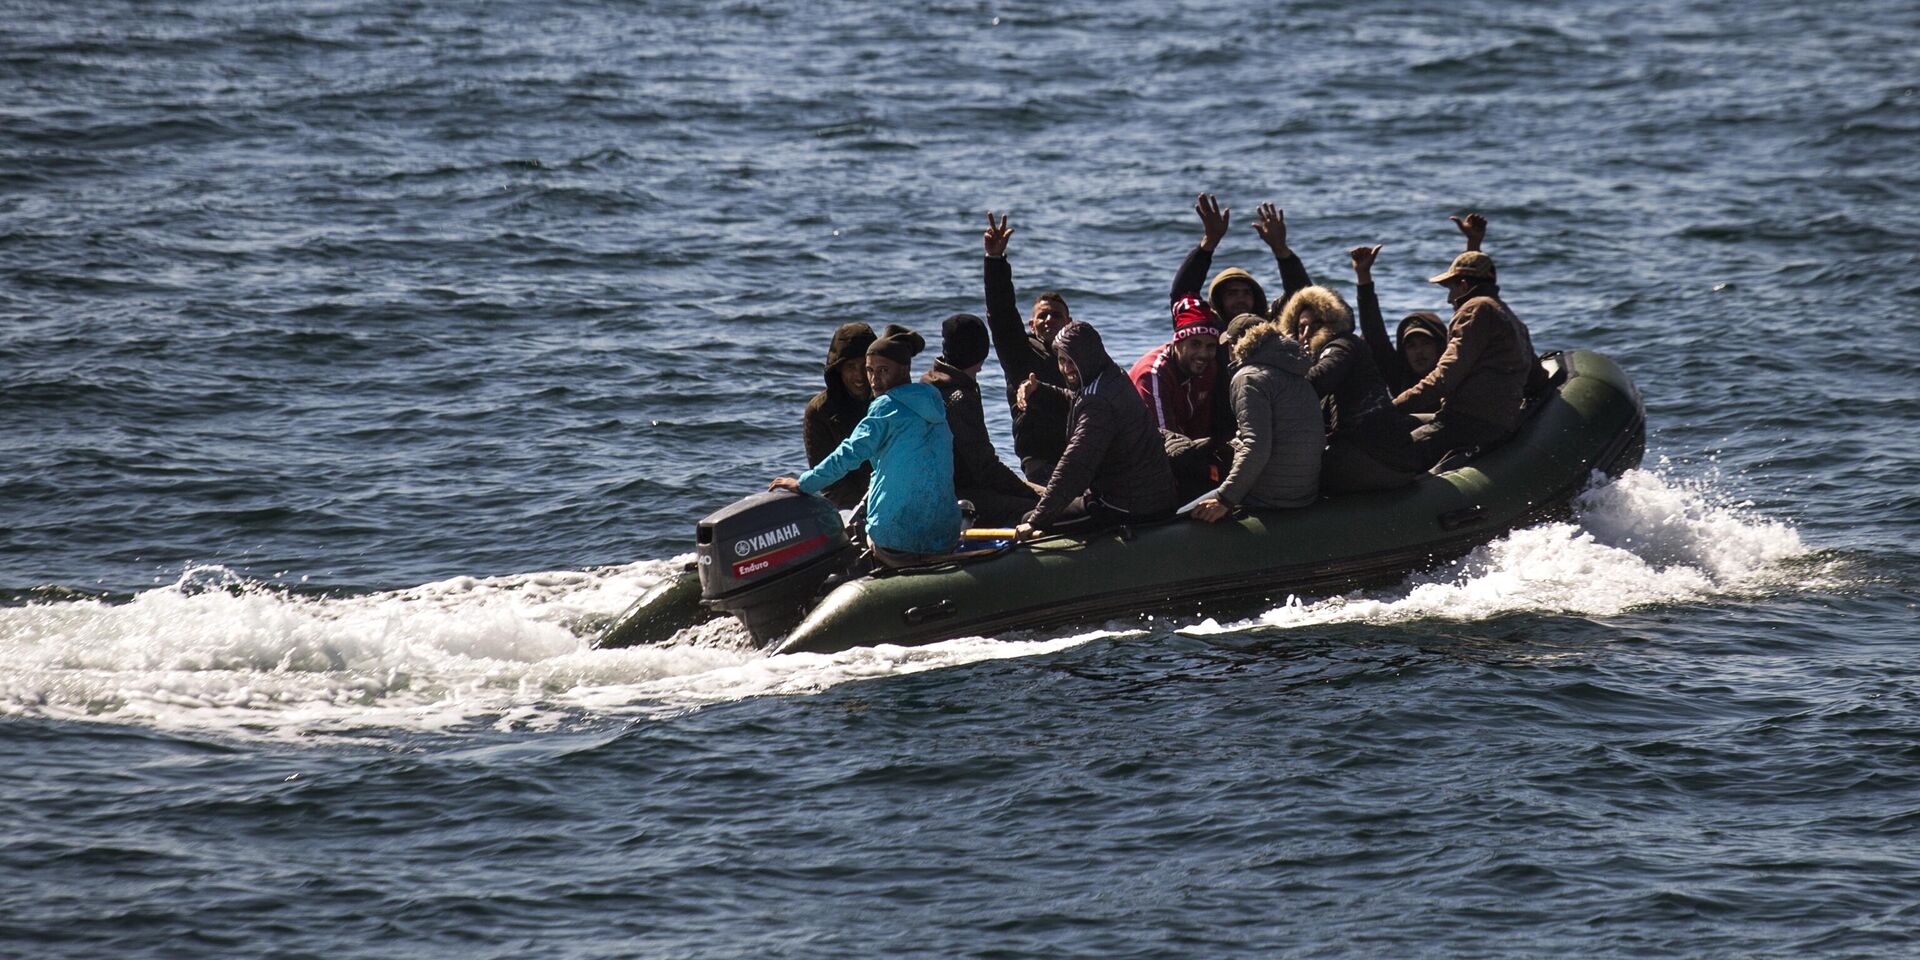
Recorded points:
(910, 505)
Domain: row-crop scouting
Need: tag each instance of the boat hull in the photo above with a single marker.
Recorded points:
(1592, 421)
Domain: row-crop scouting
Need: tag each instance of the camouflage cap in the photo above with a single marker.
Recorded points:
(1472, 263)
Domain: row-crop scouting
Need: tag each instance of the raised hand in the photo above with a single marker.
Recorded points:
(1362, 257)
(997, 235)
(1270, 223)
(1213, 220)
(1474, 227)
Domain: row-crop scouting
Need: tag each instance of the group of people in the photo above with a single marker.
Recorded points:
(1253, 401)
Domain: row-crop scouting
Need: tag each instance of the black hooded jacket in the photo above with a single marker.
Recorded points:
(1113, 449)
(1355, 401)
(1039, 433)
(975, 465)
(833, 413)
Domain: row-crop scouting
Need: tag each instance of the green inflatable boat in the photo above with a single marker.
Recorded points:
(779, 561)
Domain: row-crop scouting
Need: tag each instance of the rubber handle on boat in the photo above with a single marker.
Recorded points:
(987, 533)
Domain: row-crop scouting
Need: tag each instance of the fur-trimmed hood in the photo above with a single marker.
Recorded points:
(1336, 318)
(1265, 344)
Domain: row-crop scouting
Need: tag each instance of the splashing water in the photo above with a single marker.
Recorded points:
(1635, 542)
(213, 652)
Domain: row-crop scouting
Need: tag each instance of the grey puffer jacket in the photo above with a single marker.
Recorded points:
(1113, 449)
(1279, 437)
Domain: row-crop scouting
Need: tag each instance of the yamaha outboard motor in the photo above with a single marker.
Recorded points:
(765, 558)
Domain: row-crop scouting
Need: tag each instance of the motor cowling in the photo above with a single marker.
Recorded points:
(765, 558)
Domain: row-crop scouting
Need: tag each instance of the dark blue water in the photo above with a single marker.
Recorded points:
(358, 359)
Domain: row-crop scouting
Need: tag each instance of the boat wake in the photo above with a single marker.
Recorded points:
(218, 654)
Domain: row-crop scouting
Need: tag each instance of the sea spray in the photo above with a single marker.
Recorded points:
(218, 653)
(1637, 541)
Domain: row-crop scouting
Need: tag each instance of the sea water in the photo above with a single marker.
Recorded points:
(360, 361)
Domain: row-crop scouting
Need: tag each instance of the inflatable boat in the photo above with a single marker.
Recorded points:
(782, 564)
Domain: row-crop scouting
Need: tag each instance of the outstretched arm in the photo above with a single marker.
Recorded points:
(1009, 332)
(1192, 275)
(1373, 326)
(857, 449)
(1270, 223)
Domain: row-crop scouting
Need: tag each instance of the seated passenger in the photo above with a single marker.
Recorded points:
(1114, 455)
(1277, 438)
(832, 413)
(1421, 337)
(1179, 383)
(1476, 389)
(1232, 292)
(1000, 498)
(1026, 353)
(1175, 380)
(1368, 447)
(911, 513)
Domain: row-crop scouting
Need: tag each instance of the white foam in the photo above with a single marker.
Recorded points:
(213, 653)
(1635, 542)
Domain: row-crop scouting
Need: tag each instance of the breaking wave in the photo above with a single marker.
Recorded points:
(213, 652)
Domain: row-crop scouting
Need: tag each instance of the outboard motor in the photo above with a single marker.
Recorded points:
(765, 558)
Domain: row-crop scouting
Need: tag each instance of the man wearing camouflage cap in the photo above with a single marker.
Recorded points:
(1475, 390)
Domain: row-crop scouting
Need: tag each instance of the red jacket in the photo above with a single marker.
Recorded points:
(1183, 407)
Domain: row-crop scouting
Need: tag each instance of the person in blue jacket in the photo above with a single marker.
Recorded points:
(911, 512)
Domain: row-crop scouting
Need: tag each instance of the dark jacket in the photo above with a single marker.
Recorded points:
(1277, 438)
(1040, 433)
(1484, 372)
(975, 464)
(1394, 370)
(1113, 450)
(833, 413)
(1187, 280)
(1355, 402)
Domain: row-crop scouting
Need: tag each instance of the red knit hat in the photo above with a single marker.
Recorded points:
(1191, 316)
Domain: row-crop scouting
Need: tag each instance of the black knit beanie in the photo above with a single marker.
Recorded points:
(964, 341)
(897, 343)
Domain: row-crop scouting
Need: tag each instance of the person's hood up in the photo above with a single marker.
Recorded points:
(1235, 273)
(1080, 343)
(1267, 345)
(850, 342)
(1425, 321)
(921, 400)
(1336, 318)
